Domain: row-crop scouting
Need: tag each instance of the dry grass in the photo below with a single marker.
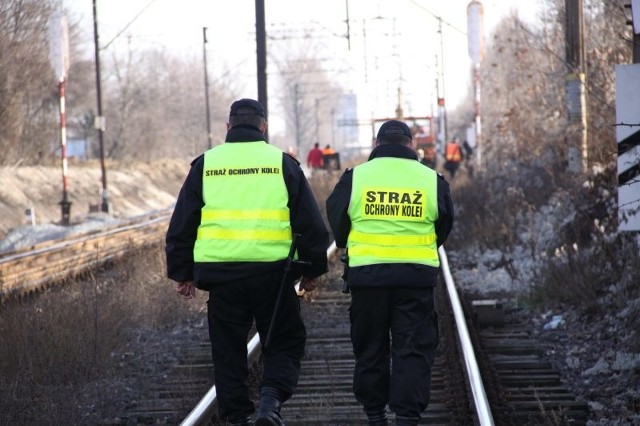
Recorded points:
(54, 348)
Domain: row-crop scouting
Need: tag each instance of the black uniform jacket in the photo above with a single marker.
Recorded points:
(398, 275)
(306, 220)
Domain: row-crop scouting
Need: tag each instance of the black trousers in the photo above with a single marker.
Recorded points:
(232, 307)
(394, 333)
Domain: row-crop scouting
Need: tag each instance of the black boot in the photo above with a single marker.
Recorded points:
(269, 412)
(407, 421)
(242, 421)
(377, 417)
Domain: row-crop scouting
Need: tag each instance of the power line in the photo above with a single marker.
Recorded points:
(439, 18)
(144, 9)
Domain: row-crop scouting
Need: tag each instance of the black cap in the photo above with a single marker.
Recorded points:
(247, 107)
(393, 128)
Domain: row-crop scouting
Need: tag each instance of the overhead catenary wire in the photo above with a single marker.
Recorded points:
(135, 18)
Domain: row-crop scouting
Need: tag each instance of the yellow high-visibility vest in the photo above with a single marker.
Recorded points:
(245, 217)
(393, 209)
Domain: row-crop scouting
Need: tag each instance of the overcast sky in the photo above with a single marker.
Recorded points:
(394, 44)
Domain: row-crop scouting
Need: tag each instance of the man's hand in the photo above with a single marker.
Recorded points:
(187, 289)
(309, 284)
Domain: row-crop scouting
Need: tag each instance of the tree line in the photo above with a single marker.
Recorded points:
(154, 100)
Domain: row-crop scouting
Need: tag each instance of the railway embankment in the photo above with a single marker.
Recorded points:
(132, 187)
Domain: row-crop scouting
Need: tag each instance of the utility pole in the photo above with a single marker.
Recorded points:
(206, 87)
(317, 111)
(575, 93)
(399, 110)
(475, 30)
(635, 24)
(99, 120)
(442, 111)
(296, 112)
(348, 26)
(333, 127)
(261, 51)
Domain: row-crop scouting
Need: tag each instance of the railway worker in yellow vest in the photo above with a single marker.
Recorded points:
(392, 213)
(230, 234)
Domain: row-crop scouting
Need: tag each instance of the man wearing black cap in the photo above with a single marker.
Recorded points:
(230, 234)
(391, 214)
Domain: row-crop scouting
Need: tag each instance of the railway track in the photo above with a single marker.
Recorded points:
(522, 388)
(525, 389)
(48, 263)
(325, 395)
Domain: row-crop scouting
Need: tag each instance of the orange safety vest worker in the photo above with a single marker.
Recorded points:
(453, 152)
(328, 150)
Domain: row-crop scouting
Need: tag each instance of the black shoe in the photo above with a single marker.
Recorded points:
(407, 421)
(242, 421)
(269, 412)
(377, 417)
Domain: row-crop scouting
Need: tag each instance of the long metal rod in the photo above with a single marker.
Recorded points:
(473, 372)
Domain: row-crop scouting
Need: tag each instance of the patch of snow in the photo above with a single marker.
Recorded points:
(27, 236)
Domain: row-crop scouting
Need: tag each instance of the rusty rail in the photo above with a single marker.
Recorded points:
(27, 271)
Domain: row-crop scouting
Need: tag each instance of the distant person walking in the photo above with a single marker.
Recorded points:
(453, 157)
(314, 158)
(230, 234)
(392, 213)
(328, 150)
(330, 158)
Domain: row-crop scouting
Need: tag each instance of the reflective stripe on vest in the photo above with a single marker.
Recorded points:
(393, 209)
(245, 217)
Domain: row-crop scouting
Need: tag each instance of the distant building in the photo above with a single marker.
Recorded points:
(347, 133)
(76, 148)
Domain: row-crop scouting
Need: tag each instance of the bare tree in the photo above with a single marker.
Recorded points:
(522, 95)
(308, 97)
(29, 102)
(155, 106)
(27, 84)
(523, 77)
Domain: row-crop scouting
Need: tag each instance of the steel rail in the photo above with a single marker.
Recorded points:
(473, 372)
(26, 270)
(202, 412)
(134, 222)
(82, 238)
